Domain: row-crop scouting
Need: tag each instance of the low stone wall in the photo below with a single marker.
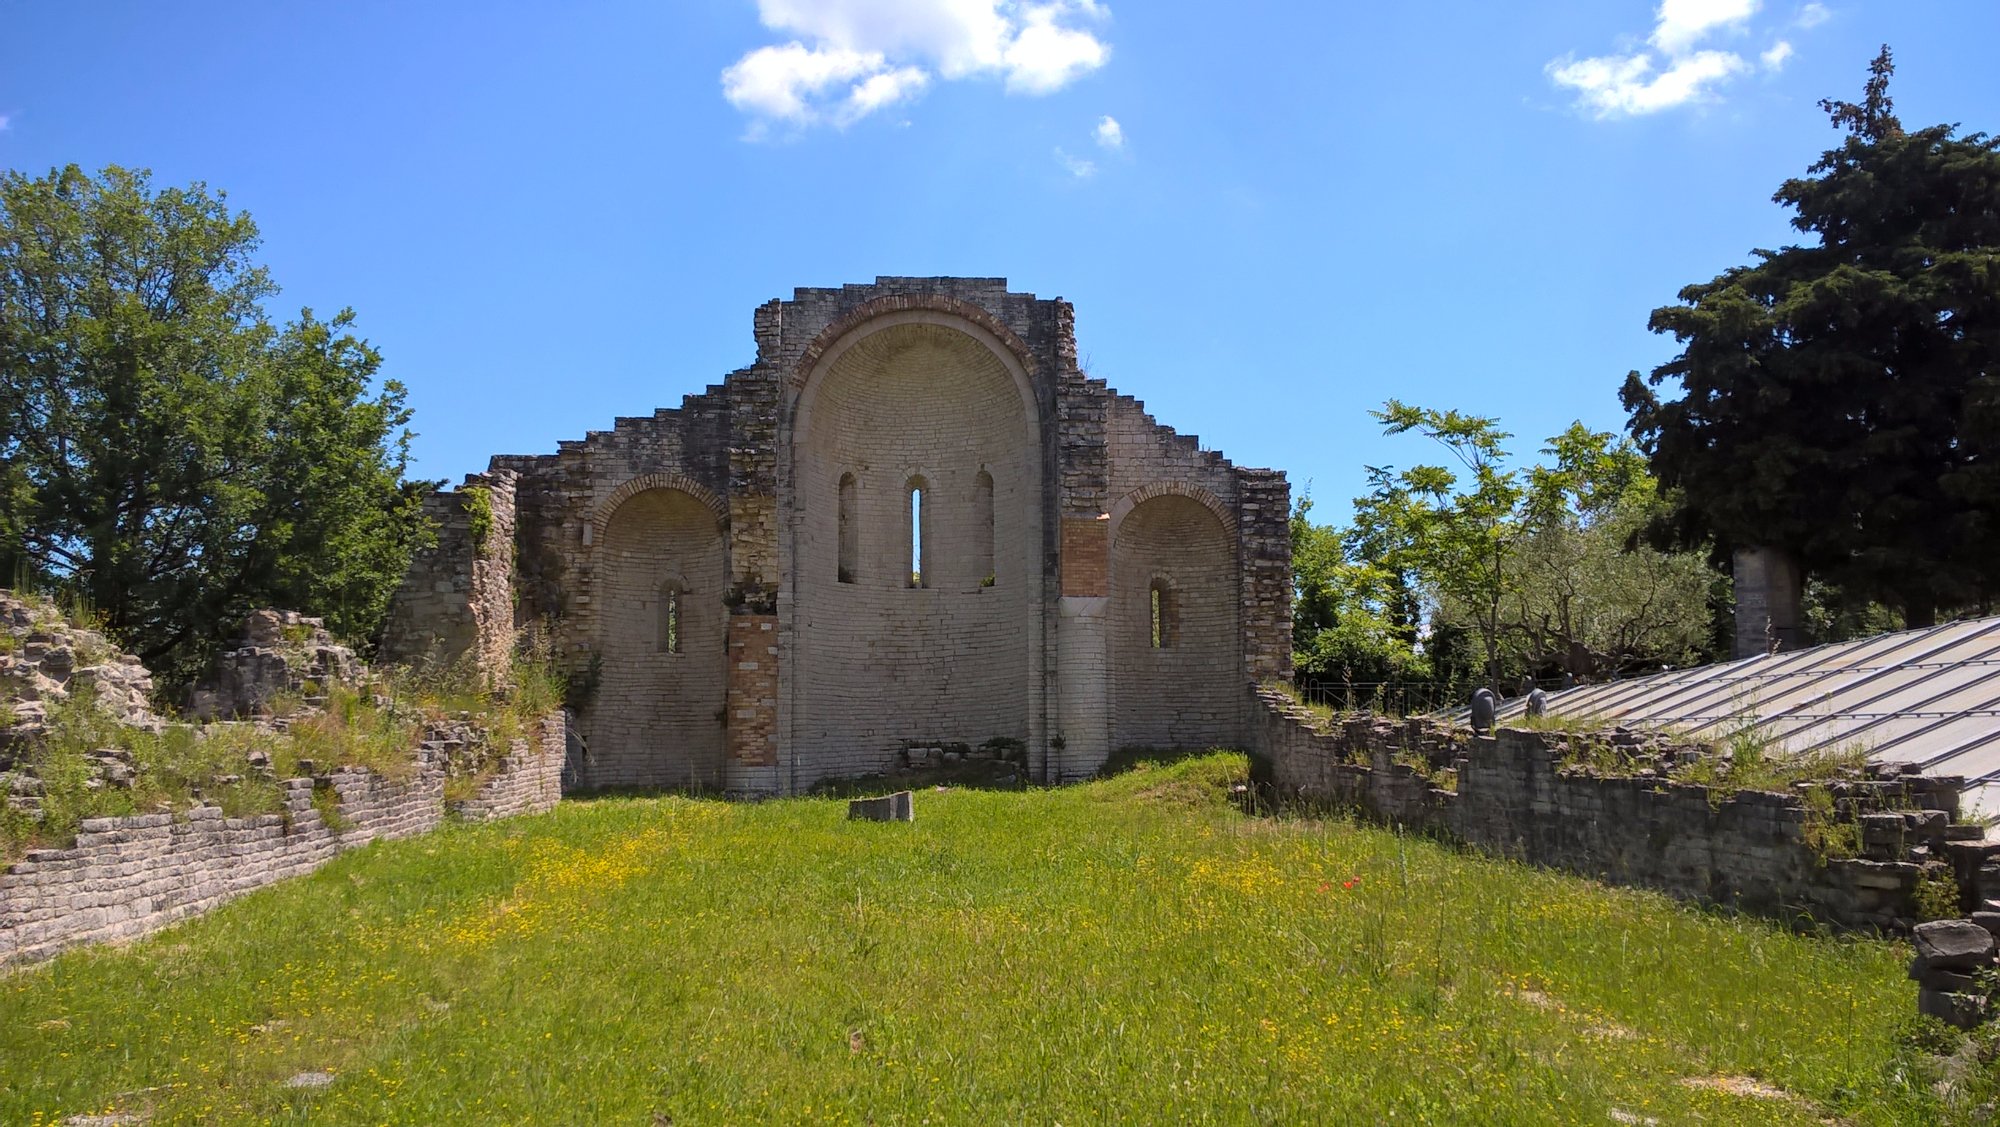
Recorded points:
(126, 877)
(528, 781)
(1749, 850)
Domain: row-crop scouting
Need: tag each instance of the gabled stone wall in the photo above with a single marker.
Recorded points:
(972, 389)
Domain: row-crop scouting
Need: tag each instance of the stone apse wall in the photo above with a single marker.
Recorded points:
(733, 578)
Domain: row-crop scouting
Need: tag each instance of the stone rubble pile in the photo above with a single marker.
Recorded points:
(44, 660)
(279, 652)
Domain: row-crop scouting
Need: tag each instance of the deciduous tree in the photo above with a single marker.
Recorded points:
(168, 455)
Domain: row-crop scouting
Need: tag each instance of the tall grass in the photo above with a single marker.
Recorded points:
(1132, 950)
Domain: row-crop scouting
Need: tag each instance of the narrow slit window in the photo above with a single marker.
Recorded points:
(850, 531)
(982, 517)
(1161, 614)
(671, 623)
(918, 487)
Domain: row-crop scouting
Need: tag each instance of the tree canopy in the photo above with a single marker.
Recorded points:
(1543, 568)
(170, 457)
(1840, 399)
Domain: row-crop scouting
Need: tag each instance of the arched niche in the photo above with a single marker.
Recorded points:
(908, 401)
(1176, 651)
(660, 569)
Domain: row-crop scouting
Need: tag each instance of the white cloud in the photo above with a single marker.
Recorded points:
(850, 58)
(1626, 84)
(1673, 67)
(1683, 23)
(1076, 166)
(1110, 134)
(1813, 15)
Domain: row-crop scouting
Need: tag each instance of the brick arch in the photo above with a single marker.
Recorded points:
(908, 303)
(1124, 505)
(601, 516)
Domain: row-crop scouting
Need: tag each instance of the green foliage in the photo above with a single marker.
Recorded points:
(168, 455)
(478, 501)
(1545, 568)
(1840, 400)
(1134, 950)
(1937, 896)
(1352, 620)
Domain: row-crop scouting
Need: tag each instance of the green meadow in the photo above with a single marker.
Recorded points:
(1133, 950)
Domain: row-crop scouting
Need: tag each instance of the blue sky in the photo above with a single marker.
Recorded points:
(549, 217)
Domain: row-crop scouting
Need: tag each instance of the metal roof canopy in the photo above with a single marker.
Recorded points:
(1929, 698)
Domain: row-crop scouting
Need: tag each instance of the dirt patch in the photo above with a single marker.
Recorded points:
(1747, 1086)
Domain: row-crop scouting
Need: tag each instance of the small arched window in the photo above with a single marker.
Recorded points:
(982, 528)
(919, 532)
(850, 530)
(1163, 614)
(673, 620)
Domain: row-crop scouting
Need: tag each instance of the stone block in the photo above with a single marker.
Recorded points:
(898, 807)
(1963, 1011)
(1953, 945)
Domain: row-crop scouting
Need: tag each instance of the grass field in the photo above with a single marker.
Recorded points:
(1134, 950)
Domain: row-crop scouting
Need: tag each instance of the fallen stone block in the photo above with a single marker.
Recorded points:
(898, 807)
(1953, 945)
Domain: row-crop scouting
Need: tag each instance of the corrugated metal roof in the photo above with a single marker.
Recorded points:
(1927, 697)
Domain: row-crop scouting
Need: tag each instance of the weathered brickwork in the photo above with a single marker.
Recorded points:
(778, 505)
(1513, 798)
(126, 877)
(459, 598)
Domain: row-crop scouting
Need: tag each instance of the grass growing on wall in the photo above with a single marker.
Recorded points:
(1132, 950)
(376, 727)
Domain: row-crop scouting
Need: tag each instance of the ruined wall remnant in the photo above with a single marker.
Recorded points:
(456, 602)
(912, 519)
(127, 877)
(1513, 796)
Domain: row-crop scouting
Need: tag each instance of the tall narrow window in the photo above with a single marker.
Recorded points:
(1160, 600)
(982, 527)
(671, 622)
(918, 533)
(850, 530)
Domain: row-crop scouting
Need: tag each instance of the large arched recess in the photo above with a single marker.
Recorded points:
(1187, 690)
(656, 716)
(873, 662)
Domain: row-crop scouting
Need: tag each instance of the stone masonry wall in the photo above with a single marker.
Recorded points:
(126, 877)
(1748, 850)
(457, 599)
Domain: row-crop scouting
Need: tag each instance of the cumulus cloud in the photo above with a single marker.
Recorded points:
(849, 58)
(1674, 67)
(1813, 15)
(1109, 134)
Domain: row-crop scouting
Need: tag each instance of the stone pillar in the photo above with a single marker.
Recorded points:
(752, 762)
(1264, 542)
(1083, 718)
(1769, 591)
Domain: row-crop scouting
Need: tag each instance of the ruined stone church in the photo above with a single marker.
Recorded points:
(913, 520)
